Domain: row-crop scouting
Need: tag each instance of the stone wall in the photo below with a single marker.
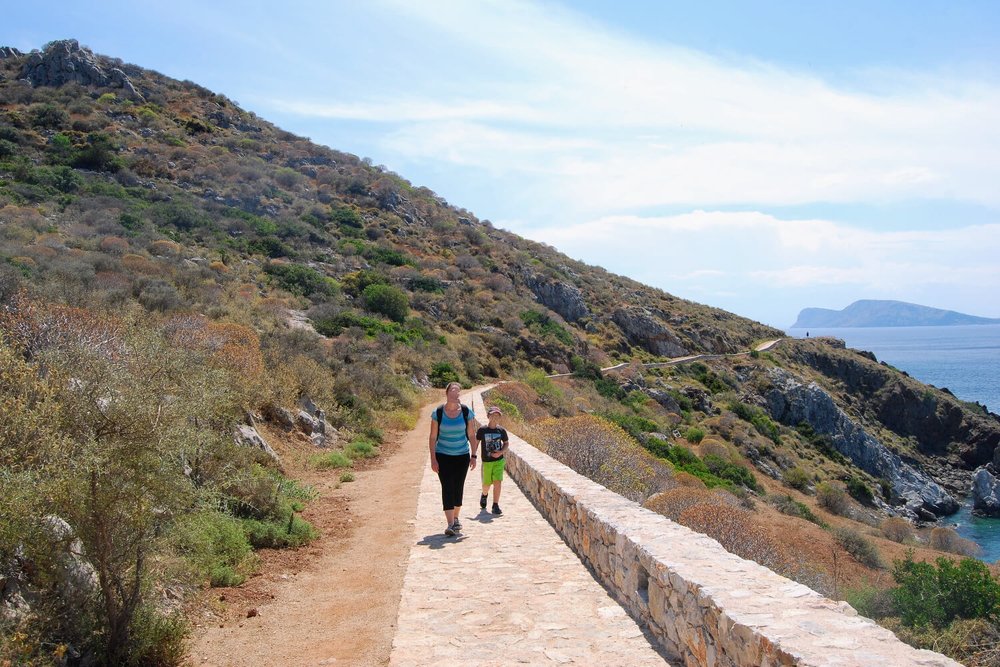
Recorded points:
(705, 605)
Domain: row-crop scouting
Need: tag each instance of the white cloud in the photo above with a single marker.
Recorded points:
(658, 125)
(743, 255)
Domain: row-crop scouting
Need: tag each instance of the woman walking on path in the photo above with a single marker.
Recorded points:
(453, 427)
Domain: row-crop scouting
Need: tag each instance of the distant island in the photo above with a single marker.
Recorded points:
(873, 313)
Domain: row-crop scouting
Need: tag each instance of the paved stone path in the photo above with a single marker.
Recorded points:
(508, 591)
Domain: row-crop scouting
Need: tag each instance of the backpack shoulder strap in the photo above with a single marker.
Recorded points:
(440, 413)
(465, 414)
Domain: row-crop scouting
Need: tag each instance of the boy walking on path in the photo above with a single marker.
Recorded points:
(494, 444)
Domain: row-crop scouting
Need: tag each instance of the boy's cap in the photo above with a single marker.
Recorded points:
(494, 410)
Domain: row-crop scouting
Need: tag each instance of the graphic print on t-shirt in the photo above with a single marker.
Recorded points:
(493, 442)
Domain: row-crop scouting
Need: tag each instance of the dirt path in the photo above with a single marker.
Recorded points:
(334, 602)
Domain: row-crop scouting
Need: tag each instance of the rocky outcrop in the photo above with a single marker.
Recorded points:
(65, 61)
(9, 52)
(791, 402)
(940, 425)
(563, 298)
(311, 420)
(985, 493)
(642, 328)
(246, 435)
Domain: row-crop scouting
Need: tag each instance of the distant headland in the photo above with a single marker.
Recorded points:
(874, 313)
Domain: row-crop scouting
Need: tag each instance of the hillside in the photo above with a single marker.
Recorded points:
(873, 313)
(175, 270)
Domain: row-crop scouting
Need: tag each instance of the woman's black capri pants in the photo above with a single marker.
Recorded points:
(452, 471)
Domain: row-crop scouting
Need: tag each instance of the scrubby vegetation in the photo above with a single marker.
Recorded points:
(173, 267)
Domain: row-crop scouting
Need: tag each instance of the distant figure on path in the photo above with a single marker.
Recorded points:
(494, 443)
(453, 427)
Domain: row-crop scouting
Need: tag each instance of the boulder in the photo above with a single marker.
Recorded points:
(279, 415)
(668, 402)
(307, 423)
(78, 578)
(985, 493)
(247, 436)
(791, 402)
(642, 328)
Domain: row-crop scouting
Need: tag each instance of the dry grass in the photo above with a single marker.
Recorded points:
(523, 397)
(896, 529)
(739, 532)
(674, 502)
(603, 452)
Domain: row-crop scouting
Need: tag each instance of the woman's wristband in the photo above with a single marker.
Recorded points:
(474, 456)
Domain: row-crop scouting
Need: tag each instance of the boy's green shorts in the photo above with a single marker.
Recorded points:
(493, 471)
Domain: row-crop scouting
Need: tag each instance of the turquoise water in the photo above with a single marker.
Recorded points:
(964, 359)
(984, 532)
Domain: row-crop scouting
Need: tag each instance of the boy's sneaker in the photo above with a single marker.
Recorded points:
(456, 525)
(482, 502)
(496, 509)
(450, 531)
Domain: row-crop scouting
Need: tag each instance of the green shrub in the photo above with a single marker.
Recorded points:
(509, 409)
(216, 545)
(372, 326)
(270, 247)
(544, 326)
(694, 435)
(758, 418)
(859, 546)
(442, 373)
(871, 602)
(99, 153)
(301, 280)
(347, 477)
(833, 498)
(386, 300)
(179, 214)
(157, 639)
(361, 449)
(382, 255)
(608, 388)
(356, 282)
(634, 425)
(797, 478)
(712, 381)
(734, 472)
(787, 505)
(332, 460)
(426, 284)
(346, 216)
(48, 116)
(821, 442)
(860, 491)
(293, 531)
(929, 595)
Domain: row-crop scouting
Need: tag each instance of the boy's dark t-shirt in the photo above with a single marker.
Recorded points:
(492, 440)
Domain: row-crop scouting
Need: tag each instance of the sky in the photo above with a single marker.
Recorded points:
(760, 157)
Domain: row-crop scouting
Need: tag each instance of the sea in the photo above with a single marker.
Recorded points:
(963, 359)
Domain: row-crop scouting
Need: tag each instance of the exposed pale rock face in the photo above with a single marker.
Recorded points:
(247, 436)
(642, 328)
(563, 298)
(9, 52)
(792, 402)
(986, 493)
(65, 61)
